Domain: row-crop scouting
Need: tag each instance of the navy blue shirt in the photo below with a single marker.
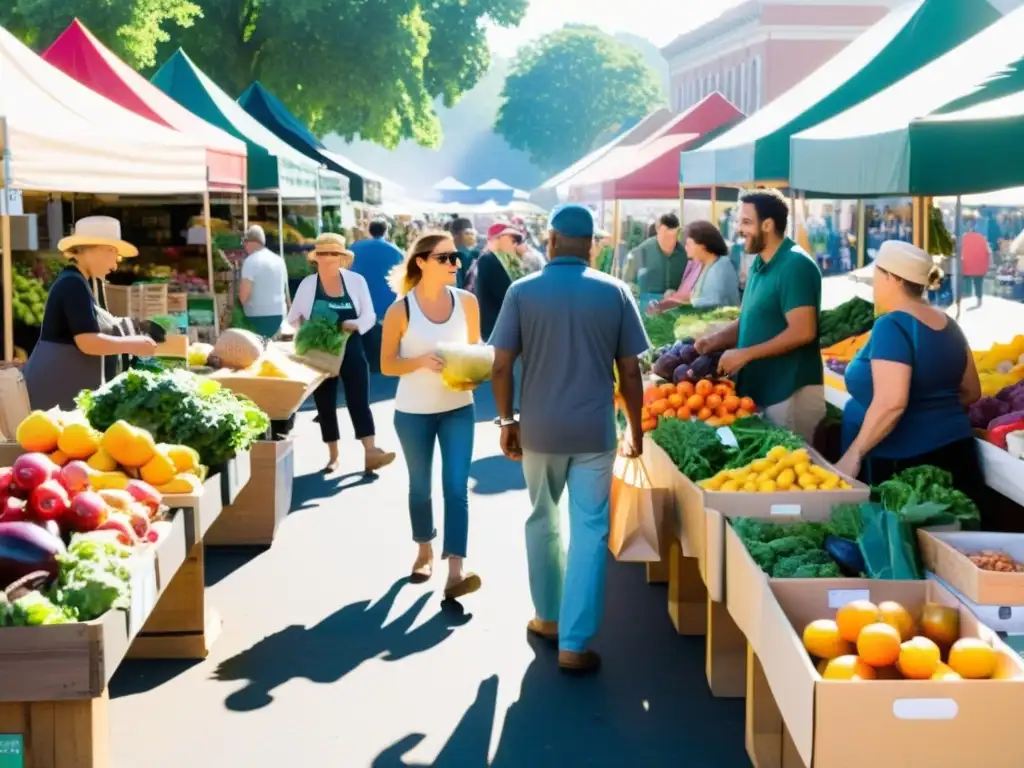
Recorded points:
(569, 323)
(934, 416)
(375, 258)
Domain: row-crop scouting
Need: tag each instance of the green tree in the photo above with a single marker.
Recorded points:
(367, 68)
(570, 87)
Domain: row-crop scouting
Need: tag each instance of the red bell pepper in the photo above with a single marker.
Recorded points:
(997, 436)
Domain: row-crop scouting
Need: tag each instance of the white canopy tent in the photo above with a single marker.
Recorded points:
(60, 136)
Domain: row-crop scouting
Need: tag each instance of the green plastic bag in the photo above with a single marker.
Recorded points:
(239, 320)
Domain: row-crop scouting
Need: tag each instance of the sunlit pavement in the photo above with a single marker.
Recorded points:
(327, 658)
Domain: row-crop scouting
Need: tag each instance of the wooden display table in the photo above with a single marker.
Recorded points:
(54, 702)
(254, 515)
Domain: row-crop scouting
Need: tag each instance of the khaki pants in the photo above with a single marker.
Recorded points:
(801, 413)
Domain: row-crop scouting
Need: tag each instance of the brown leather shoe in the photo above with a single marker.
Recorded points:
(469, 584)
(378, 459)
(546, 630)
(573, 663)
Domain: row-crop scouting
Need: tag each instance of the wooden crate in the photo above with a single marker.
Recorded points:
(767, 739)
(264, 503)
(687, 596)
(177, 302)
(725, 660)
(140, 301)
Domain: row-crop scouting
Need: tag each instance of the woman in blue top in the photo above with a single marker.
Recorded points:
(911, 383)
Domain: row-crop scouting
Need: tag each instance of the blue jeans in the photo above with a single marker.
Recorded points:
(568, 590)
(453, 431)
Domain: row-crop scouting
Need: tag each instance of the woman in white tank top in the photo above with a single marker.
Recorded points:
(432, 311)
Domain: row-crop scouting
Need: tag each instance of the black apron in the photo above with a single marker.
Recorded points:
(354, 352)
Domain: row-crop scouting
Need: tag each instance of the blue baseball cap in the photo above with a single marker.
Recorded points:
(572, 220)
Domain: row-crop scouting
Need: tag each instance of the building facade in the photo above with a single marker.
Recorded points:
(761, 48)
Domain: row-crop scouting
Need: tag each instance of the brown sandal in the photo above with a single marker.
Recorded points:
(546, 630)
(574, 663)
(422, 570)
(378, 459)
(469, 584)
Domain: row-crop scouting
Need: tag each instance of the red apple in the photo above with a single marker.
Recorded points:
(32, 470)
(6, 479)
(158, 531)
(88, 512)
(120, 522)
(145, 493)
(139, 517)
(75, 476)
(13, 510)
(49, 501)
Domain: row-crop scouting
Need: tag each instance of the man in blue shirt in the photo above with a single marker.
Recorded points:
(570, 324)
(375, 258)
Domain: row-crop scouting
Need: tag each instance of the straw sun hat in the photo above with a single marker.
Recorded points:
(905, 261)
(332, 243)
(98, 230)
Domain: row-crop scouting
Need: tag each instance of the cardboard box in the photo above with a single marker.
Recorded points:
(945, 554)
(278, 398)
(264, 503)
(884, 722)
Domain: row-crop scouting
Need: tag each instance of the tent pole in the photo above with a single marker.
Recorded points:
(319, 209)
(682, 205)
(862, 230)
(280, 224)
(713, 197)
(7, 270)
(958, 255)
(209, 260)
(616, 236)
(245, 208)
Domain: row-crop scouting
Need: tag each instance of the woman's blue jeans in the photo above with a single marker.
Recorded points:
(453, 431)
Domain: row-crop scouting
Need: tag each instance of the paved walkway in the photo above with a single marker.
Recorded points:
(328, 659)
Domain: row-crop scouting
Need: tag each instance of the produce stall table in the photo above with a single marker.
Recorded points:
(54, 701)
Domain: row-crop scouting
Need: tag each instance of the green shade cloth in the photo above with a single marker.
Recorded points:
(955, 126)
(906, 39)
(272, 164)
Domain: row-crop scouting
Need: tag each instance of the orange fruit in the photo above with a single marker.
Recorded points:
(742, 414)
(879, 644)
(728, 419)
(854, 616)
(731, 403)
(645, 414)
(972, 658)
(848, 667)
(721, 412)
(685, 388)
(919, 658)
(652, 393)
(670, 413)
(658, 407)
(747, 404)
(887, 673)
(940, 624)
(695, 402)
(713, 421)
(723, 390)
(943, 672)
(712, 401)
(683, 413)
(821, 639)
(895, 615)
(704, 388)
(704, 414)
(648, 425)
(667, 389)
(675, 400)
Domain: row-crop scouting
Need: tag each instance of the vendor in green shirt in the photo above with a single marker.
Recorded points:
(658, 263)
(772, 350)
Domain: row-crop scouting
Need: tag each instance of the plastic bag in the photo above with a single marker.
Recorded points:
(466, 366)
(239, 320)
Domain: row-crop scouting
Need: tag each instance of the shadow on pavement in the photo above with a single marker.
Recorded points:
(136, 676)
(221, 562)
(496, 474)
(309, 490)
(649, 705)
(326, 652)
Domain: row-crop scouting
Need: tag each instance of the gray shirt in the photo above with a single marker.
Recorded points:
(569, 323)
(718, 286)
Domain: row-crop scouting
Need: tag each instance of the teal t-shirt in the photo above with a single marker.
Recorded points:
(790, 280)
(653, 271)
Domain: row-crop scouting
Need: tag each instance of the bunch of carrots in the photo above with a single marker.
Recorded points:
(713, 402)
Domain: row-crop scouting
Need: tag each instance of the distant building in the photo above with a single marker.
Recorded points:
(760, 49)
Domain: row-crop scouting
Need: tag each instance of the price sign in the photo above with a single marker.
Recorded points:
(12, 750)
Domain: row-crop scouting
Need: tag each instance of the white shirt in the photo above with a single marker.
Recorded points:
(269, 277)
(422, 391)
(355, 287)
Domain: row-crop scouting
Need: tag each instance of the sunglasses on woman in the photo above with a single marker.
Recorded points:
(445, 258)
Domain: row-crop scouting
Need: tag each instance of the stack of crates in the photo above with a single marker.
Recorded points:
(141, 301)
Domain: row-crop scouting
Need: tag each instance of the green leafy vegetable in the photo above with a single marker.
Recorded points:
(693, 446)
(791, 551)
(851, 318)
(320, 334)
(33, 610)
(918, 485)
(179, 408)
(94, 578)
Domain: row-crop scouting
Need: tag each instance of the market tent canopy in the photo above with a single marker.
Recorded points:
(80, 55)
(953, 127)
(650, 171)
(451, 184)
(273, 165)
(556, 189)
(495, 185)
(64, 137)
(273, 114)
(757, 150)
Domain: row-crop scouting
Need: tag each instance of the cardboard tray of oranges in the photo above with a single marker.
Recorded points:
(714, 402)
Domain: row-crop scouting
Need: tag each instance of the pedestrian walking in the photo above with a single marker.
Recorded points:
(570, 325)
(430, 312)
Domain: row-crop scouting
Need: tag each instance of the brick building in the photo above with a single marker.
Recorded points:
(762, 48)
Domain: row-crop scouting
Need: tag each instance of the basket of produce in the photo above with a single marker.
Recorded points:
(319, 342)
(708, 400)
(466, 366)
(277, 383)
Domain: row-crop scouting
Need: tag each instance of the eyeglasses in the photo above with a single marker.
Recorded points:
(329, 253)
(445, 258)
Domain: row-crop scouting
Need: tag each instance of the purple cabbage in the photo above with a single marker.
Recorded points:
(1007, 418)
(688, 354)
(984, 410)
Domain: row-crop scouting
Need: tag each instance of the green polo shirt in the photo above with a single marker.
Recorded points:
(791, 279)
(653, 271)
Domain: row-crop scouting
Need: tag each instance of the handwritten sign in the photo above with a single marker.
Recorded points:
(12, 750)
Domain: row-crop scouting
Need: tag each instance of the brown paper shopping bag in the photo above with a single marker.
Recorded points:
(637, 513)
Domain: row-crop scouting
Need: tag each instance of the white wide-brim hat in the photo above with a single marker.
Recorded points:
(98, 230)
(905, 261)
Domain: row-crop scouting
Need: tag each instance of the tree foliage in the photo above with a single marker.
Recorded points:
(569, 88)
(369, 68)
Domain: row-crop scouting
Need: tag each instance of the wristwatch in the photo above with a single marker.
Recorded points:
(513, 422)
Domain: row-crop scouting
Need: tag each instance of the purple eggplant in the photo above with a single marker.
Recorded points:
(26, 548)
